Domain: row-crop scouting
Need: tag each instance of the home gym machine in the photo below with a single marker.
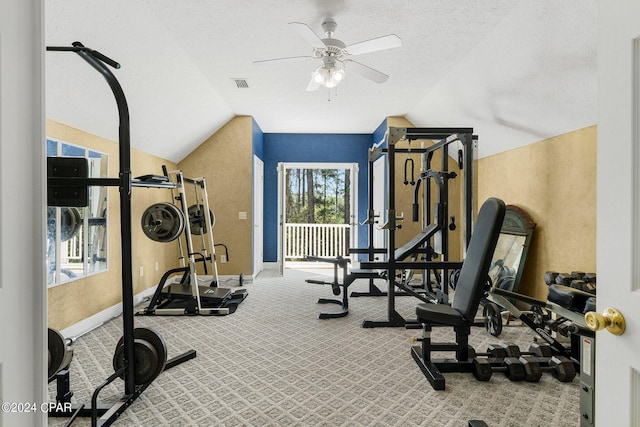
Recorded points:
(192, 293)
(141, 354)
(439, 246)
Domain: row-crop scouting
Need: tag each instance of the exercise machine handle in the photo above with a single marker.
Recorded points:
(79, 47)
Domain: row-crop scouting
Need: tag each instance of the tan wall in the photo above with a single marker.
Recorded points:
(554, 180)
(74, 301)
(404, 193)
(225, 161)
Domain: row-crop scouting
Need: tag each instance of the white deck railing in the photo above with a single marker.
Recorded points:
(322, 240)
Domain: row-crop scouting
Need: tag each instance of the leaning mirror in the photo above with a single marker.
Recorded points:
(512, 248)
(77, 236)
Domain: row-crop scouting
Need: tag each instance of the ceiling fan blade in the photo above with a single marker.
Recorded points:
(367, 72)
(307, 33)
(380, 43)
(287, 58)
(313, 85)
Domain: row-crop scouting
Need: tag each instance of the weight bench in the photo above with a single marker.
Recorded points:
(460, 315)
(572, 299)
(350, 276)
(569, 306)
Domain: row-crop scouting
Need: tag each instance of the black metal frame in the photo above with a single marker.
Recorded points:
(445, 137)
(371, 252)
(131, 392)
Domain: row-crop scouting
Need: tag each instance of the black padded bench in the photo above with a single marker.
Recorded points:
(400, 254)
(572, 299)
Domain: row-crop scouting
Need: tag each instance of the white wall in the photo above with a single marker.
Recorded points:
(22, 278)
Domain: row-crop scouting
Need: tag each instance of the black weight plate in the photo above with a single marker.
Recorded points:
(540, 316)
(197, 223)
(492, 318)
(143, 355)
(57, 350)
(162, 222)
(70, 221)
(146, 361)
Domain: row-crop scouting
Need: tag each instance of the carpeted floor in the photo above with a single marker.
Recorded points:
(274, 363)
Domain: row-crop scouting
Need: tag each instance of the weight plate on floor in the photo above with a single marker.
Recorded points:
(57, 349)
(146, 361)
(492, 318)
(150, 354)
(163, 222)
(197, 222)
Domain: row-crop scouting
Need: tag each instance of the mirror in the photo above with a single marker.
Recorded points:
(77, 236)
(511, 251)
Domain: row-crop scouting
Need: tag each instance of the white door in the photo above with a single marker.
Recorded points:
(379, 202)
(353, 209)
(281, 215)
(258, 215)
(618, 236)
(23, 290)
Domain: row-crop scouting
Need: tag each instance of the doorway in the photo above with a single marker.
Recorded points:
(258, 215)
(317, 210)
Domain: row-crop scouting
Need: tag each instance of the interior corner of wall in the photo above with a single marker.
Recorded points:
(398, 121)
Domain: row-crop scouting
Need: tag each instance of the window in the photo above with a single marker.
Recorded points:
(77, 236)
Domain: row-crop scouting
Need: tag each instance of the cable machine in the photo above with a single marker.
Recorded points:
(444, 137)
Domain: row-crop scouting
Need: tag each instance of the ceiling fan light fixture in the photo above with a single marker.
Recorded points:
(328, 76)
(319, 75)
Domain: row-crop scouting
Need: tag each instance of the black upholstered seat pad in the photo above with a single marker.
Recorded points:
(564, 296)
(439, 313)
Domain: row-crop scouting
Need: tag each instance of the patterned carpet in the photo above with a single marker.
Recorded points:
(274, 363)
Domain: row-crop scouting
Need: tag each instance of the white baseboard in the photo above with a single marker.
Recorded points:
(78, 329)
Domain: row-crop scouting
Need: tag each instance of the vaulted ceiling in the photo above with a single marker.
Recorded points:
(515, 71)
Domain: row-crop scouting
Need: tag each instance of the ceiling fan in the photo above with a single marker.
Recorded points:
(335, 55)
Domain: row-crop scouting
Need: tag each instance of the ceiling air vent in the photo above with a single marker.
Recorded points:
(241, 83)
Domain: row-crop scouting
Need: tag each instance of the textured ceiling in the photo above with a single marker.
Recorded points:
(516, 71)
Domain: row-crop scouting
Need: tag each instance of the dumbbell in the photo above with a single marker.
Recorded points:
(535, 349)
(564, 279)
(494, 351)
(577, 274)
(577, 284)
(560, 367)
(550, 277)
(512, 368)
(583, 285)
(589, 287)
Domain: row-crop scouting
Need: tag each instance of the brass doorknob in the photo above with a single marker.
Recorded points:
(611, 319)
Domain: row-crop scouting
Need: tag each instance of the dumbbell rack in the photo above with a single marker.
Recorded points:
(125, 183)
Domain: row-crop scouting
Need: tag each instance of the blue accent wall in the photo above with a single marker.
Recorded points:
(257, 140)
(317, 148)
(378, 134)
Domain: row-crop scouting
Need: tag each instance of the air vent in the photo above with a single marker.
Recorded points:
(241, 83)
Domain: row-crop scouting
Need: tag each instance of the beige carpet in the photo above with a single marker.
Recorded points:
(274, 363)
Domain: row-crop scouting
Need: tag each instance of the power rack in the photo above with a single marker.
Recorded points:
(68, 184)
